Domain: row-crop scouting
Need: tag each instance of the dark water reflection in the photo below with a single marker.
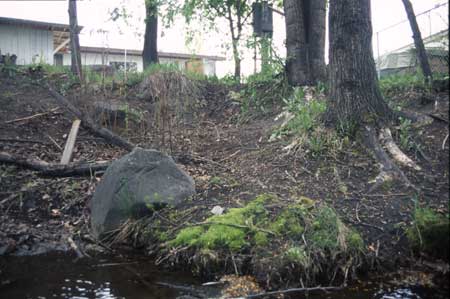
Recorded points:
(53, 276)
(58, 276)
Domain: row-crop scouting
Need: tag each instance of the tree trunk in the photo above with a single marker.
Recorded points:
(150, 53)
(74, 41)
(305, 41)
(355, 98)
(237, 60)
(296, 62)
(317, 41)
(418, 42)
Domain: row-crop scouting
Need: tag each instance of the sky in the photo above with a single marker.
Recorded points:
(99, 30)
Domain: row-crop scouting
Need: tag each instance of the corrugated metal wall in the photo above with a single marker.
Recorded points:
(30, 45)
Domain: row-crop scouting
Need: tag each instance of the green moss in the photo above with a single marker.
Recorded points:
(222, 232)
(188, 236)
(430, 232)
(354, 241)
(261, 239)
(288, 223)
(222, 236)
(317, 227)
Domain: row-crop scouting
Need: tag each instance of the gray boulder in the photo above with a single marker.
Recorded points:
(136, 185)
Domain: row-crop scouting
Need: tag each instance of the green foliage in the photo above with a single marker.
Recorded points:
(405, 134)
(430, 232)
(306, 115)
(263, 91)
(402, 82)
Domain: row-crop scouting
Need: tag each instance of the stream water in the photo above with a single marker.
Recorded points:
(59, 276)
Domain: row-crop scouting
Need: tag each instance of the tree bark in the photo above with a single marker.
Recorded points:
(74, 40)
(296, 62)
(418, 42)
(355, 97)
(150, 53)
(305, 41)
(235, 36)
(317, 41)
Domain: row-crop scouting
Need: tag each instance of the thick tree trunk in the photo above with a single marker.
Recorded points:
(355, 98)
(150, 53)
(305, 41)
(296, 62)
(418, 42)
(317, 41)
(74, 41)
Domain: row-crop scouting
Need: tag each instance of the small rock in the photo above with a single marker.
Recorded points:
(217, 210)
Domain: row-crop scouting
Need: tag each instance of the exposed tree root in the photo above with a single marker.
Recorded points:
(89, 124)
(388, 169)
(50, 169)
(395, 151)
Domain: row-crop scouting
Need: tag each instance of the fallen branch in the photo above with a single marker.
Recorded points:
(13, 140)
(293, 290)
(31, 116)
(50, 169)
(395, 151)
(89, 124)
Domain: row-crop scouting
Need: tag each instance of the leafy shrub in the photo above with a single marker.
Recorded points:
(305, 114)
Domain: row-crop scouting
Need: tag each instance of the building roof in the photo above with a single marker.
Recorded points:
(435, 44)
(36, 24)
(139, 53)
(60, 31)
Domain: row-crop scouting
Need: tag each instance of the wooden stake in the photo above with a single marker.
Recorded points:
(70, 143)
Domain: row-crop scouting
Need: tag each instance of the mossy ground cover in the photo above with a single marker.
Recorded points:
(278, 238)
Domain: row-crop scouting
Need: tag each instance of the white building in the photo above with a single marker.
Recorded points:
(31, 41)
(133, 59)
(41, 42)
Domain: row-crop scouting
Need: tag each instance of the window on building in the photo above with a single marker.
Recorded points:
(119, 66)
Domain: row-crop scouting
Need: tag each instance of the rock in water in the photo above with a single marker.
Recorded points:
(136, 184)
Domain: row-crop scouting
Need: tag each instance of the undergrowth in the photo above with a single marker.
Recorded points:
(302, 123)
(262, 92)
(429, 232)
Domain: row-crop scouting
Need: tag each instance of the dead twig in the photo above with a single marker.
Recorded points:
(31, 116)
(54, 142)
(443, 142)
